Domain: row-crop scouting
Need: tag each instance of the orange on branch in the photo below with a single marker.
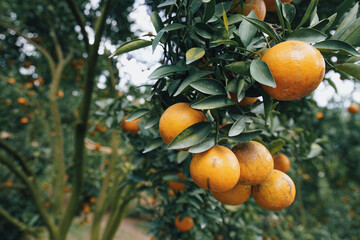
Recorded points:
(216, 169)
(256, 162)
(353, 108)
(246, 101)
(185, 224)
(11, 80)
(178, 186)
(177, 118)
(21, 100)
(271, 6)
(319, 115)
(275, 193)
(297, 67)
(236, 196)
(258, 6)
(24, 120)
(281, 162)
(131, 127)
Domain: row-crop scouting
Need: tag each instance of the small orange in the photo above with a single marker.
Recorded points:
(258, 6)
(256, 162)
(297, 67)
(271, 6)
(246, 101)
(88, 219)
(281, 162)
(24, 120)
(171, 193)
(236, 196)
(132, 126)
(178, 186)
(319, 115)
(11, 80)
(216, 169)
(60, 94)
(21, 100)
(93, 200)
(39, 80)
(86, 208)
(275, 193)
(353, 108)
(177, 118)
(185, 224)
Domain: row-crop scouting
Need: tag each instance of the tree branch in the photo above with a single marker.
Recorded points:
(46, 54)
(57, 44)
(17, 156)
(80, 20)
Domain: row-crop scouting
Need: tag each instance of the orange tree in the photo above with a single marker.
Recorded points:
(215, 61)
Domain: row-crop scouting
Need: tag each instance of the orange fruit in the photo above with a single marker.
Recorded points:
(319, 115)
(297, 67)
(60, 94)
(178, 186)
(93, 200)
(246, 101)
(258, 6)
(21, 100)
(275, 193)
(86, 208)
(216, 169)
(353, 108)
(24, 120)
(271, 6)
(132, 126)
(256, 162)
(281, 162)
(236, 196)
(39, 80)
(177, 118)
(185, 224)
(11, 80)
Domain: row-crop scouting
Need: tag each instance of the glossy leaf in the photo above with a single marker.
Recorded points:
(246, 136)
(152, 121)
(324, 24)
(308, 12)
(209, 10)
(352, 34)
(156, 21)
(264, 27)
(157, 142)
(241, 67)
(203, 146)
(208, 86)
(260, 71)
(348, 20)
(213, 102)
(131, 46)
(336, 45)
(289, 12)
(276, 145)
(167, 3)
(190, 79)
(191, 136)
(350, 68)
(137, 114)
(308, 35)
(237, 127)
(166, 70)
(247, 30)
(194, 54)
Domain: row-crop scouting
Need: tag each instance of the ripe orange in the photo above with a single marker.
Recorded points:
(177, 118)
(297, 67)
(216, 169)
(93, 200)
(258, 6)
(246, 101)
(185, 224)
(132, 126)
(86, 208)
(60, 94)
(271, 6)
(21, 100)
(256, 162)
(236, 196)
(276, 192)
(178, 186)
(281, 162)
(319, 115)
(353, 108)
(11, 80)
(24, 120)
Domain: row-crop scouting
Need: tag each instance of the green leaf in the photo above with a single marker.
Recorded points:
(289, 12)
(246, 136)
(172, 27)
(235, 18)
(308, 12)
(152, 121)
(156, 21)
(171, 177)
(237, 127)
(166, 70)
(324, 24)
(336, 45)
(190, 79)
(208, 86)
(239, 89)
(194, 54)
(260, 71)
(213, 102)
(209, 10)
(348, 20)
(308, 35)
(137, 114)
(226, 24)
(224, 42)
(247, 30)
(315, 150)
(219, 9)
(241, 67)
(131, 46)
(157, 39)
(181, 156)
(276, 145)
(332, 84)
(191, 136)
(267, 101)
(278, 11)
(264, 27)
(350, 68)
(203, 146)
(352, 34)
(167, 3)
(155, 143)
